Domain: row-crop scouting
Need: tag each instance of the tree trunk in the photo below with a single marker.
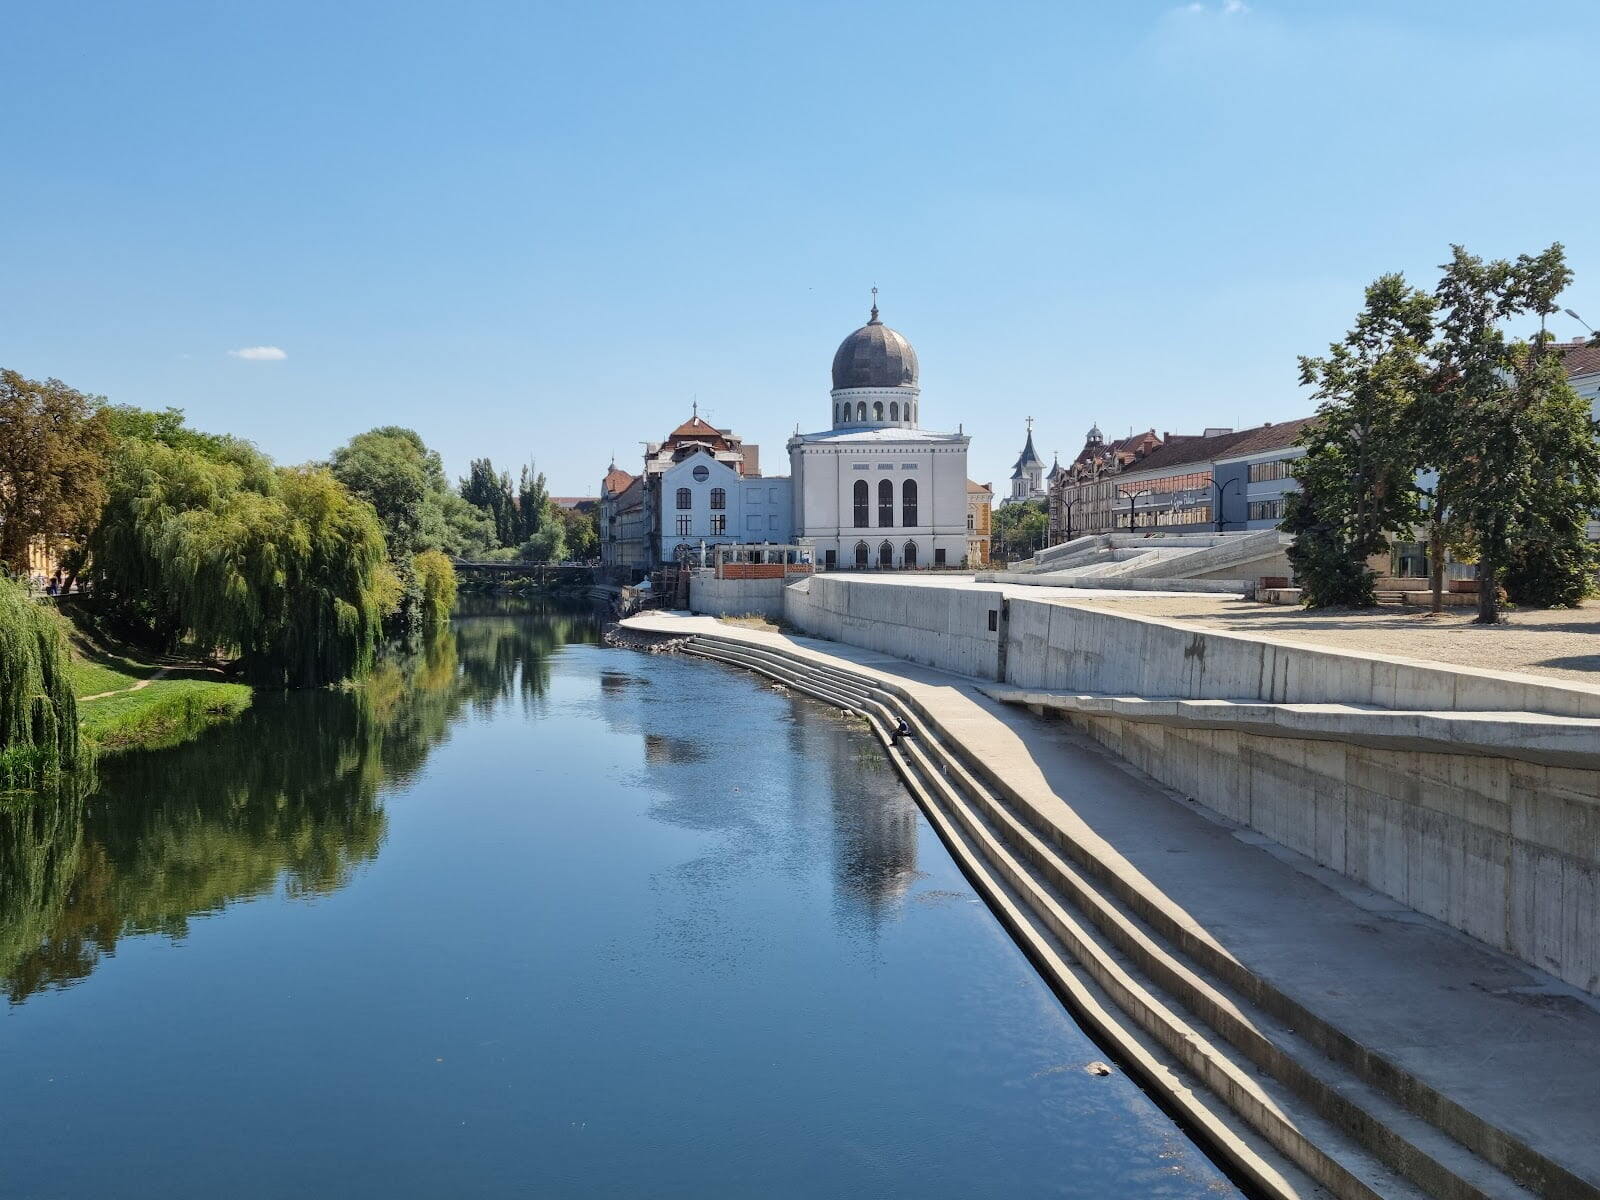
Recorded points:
(1436, 566)
(1489, 576)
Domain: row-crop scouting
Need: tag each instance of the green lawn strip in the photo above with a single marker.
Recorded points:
(169, 711)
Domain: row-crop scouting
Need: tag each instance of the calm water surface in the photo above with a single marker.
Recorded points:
(530, 917)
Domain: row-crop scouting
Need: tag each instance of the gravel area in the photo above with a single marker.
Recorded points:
(1563, 643)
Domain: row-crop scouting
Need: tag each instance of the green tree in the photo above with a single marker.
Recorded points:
(38, 715)
(533, 503)
(53, 451)
(1020, 528)
(548, 544)
(583, 542)
(393, 470)
(1514, 447)
(491, 494)
(280, 568)
(1357, 476)
(437, 580)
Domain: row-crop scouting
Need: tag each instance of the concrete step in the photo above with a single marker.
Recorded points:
(1259, 1058)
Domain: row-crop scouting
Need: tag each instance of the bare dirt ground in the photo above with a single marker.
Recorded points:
(1564, 643)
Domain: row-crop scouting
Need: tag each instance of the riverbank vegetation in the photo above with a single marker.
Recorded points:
(528, 525)
(210, 567)
(39, 735)
(1434, 424)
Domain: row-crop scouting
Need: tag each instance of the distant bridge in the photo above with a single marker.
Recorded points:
(543, 574)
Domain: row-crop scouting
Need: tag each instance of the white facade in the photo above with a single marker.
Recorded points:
(704, 502)
(876, 490)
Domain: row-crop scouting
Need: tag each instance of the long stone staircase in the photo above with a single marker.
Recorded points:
(1290, 1101)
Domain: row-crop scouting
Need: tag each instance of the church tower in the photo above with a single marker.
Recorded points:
(1028, 472)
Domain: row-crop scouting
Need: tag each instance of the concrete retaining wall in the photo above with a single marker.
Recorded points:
(1064, 648)
(942, 627)
(735, 597)
(1506, 851)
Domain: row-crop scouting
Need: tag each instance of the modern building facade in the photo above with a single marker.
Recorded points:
(1254, 476)
(875, 489)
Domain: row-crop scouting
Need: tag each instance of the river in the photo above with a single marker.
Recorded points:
(526, 916)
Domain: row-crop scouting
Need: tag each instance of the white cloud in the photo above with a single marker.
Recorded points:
(1227, 8)
(259, 354)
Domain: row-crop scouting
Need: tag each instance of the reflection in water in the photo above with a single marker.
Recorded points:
(871, 829)
(286, 796)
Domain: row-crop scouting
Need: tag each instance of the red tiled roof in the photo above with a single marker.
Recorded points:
(1181, 450)
(695, 427)
(616, 479)
(1579, 358)
(1267, 437)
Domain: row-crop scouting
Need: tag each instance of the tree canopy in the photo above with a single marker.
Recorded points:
(54, 443)
(207, 542)
(1358, 475)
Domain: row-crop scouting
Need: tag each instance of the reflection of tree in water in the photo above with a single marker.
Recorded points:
(288, 794)
(504, 652)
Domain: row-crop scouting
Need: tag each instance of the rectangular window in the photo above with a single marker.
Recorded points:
(1266, 510)
(1277, 469)
(938, 558)
(719, 523)
(683, 526)
(994, 620)
(830, 559)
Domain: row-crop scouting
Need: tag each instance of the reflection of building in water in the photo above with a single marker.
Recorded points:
(874, 817)
(821, 790)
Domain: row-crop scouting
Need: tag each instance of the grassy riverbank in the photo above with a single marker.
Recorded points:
(129, 700)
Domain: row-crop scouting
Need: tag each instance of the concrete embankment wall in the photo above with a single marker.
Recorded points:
(955, 629)
(1503, 849)
(735, 597)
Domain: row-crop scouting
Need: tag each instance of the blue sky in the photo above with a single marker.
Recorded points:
(541, 229)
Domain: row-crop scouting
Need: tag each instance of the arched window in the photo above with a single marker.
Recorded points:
(844, 412)
(861, 502)
(894, 410)
(886, 503)
(861, 410)
(861, 554)
(683, 498)
(885, 555)
(877, 410)
(908, 503)
(719, 499)
(909, 555)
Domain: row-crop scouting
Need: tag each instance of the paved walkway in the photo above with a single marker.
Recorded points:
(1496, 1036)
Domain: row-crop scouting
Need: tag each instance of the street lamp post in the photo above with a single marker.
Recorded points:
(1222, 492)
(1132, 496)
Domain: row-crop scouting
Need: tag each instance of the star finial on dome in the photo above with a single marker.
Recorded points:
(874, 320)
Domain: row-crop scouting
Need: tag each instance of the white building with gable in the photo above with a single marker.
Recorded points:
(876, 490)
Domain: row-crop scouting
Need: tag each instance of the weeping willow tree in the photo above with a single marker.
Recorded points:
(209, 544)
(38, 715)
(436, 578)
